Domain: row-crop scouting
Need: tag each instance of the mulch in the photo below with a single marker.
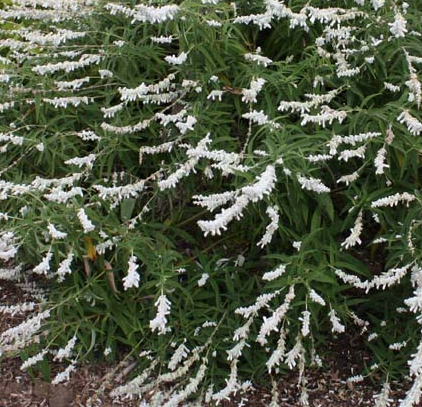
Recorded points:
(327, 387)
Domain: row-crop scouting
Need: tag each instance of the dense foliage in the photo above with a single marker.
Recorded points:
(217, 188)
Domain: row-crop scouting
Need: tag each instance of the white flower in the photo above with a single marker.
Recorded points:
(272, 212)
(63, 376)
(179, 354)
(272, 275)
(397, 345)
(232, 384)
(413, 125)
(44, 266)
(165, 119)
(355, 379)
(162, 39)
(279, 353)
(186, 126)
(271, 323)
(4, 78)
(19, 308)
(335, 322)
(215, 94)
(294, 353)
(65, 101)
(347, 72)
(132, 277)
(305, 319)
(391, 87)
(203, 279)
(160, 321)
(118, 193)
(261, 302)
(87, 161)
(236, 351)
(34, 360)
(6, 106)
(398, 28)
(87, 135)
(212, 202)
(8, 248)
(256, 117)
(347, 179)
(60, 196)
(105, 73)
(16, 140)
(315, 297)
(74, 85)
(64, 267)
(382, 399)
(154, 14)
(111, 111)
(240, 261)
(355, 232)
(66, 352)
(176, 60)
(213, 23)
(56, 234)
(345, 155)
(87, 225)
(327, 115)
(415, 88)
(393, 200)
(379, 161)
(68, 66)
(20, 336)
(315, 158)
(249, 95)
(183, 171)
(250, 193)
(336, 140)
(376, 4)
(296, 107)
(243, 331)
(312, 184)
(386, 279)
(11, 274)
(144, 14)
(258, 59)
(297, 245)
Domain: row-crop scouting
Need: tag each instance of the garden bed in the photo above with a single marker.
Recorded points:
(326, 387)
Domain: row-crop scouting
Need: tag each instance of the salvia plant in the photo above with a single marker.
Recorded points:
(216, 188)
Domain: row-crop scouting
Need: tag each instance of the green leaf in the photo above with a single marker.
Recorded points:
(126, 209)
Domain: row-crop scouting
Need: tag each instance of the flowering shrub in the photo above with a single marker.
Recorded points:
(209, 185)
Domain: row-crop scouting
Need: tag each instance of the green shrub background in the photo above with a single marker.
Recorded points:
(171, 250)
